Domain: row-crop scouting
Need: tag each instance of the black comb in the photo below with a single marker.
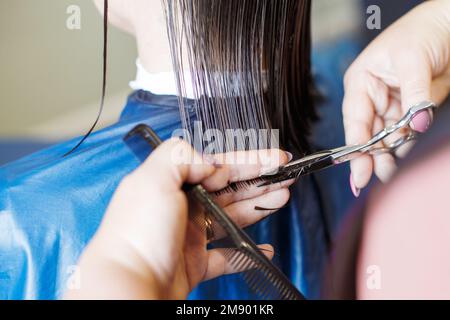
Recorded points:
(262, 276)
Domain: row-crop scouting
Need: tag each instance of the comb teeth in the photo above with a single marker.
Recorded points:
(260, 181)
(264, 280)
(198, 219)
(261, 275)
(241, 185)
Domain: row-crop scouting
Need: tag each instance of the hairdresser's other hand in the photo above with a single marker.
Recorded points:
(146, 248)
(407, 64)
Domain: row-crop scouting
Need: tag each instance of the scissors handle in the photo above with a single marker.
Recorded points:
(327, 158)
(391, 148)
(402, 123)
(350, 152)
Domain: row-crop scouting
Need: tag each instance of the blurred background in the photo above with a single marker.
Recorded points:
(50, 78)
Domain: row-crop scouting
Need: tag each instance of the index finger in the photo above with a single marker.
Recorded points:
(243, 165)
(171, 165)
(359, 115)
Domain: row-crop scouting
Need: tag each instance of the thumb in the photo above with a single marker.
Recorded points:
(172, 164)
(415, 87)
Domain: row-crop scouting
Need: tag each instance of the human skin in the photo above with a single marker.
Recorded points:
(146, 248)
(406, 234)
(407, 64)
(144, 19)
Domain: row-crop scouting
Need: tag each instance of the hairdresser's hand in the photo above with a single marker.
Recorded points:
(146, 248)
(407, 64)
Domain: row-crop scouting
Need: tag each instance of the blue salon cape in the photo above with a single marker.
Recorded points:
(51, 206)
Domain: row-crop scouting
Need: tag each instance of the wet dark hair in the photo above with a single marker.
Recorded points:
(103, 94)
(258, 50)
(267, 43)
(294, 110)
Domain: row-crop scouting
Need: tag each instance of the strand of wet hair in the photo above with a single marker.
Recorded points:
(104, 74)
(249, 64)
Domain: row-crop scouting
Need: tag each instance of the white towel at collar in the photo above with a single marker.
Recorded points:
(160, 83)
(164, 83)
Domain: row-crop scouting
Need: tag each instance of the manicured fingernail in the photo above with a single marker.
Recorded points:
(356, 191)
(421, 122)
(289, 155)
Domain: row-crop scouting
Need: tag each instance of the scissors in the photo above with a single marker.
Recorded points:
(328, 158)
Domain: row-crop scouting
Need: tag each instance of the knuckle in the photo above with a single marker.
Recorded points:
(349, 75)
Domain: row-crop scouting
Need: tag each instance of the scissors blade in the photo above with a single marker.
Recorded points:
(299, 168)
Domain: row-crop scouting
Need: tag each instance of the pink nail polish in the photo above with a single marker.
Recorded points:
(421, 122)
(356, 191)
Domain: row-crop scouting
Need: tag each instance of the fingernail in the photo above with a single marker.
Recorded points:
(356, 191)
(289, 155)
(421, 122)
(258, 208)
(211, 161)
